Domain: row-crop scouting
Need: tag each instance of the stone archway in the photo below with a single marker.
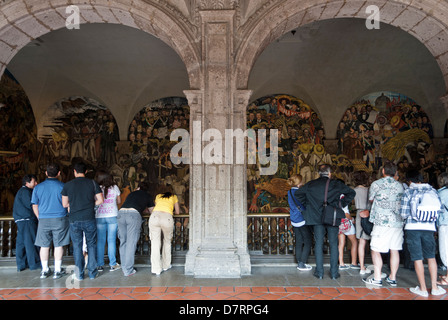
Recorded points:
(422, 21)
(24, 21)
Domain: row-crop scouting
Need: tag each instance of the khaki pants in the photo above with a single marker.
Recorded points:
(160, 223)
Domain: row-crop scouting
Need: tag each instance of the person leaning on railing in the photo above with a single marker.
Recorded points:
(161, 222)
(130, 220)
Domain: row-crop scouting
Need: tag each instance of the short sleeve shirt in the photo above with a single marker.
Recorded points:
(109, 207)
(386, 194)
(81, 197)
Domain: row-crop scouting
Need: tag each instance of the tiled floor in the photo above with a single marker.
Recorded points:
(265, 283)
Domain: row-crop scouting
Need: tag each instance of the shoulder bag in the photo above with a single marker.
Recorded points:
(331, 216)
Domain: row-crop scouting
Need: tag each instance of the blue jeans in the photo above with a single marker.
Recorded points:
(77, 230)
(106, 231)
(319, 235)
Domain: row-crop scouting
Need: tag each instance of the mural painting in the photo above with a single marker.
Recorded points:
(78, 128)
(379, 126)
(301, 150)
(385, 126)
(148, 155)
(18, 139)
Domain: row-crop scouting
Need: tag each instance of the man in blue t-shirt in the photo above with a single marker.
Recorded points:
(53, 221)
(80, 196)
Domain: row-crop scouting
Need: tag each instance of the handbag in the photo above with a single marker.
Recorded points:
(366, 226)
(345, 225)
(331, 216)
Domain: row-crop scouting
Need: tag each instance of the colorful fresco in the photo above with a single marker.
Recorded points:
(18, 140)
(148, 155)
(300, 149)
(380, 126)
(301, 137)
(78, 128)
(385, 126)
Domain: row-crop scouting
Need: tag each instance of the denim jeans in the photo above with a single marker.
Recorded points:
(107, 232)
(129, 227)
(77, 229)
(304, 241)
(319, 235)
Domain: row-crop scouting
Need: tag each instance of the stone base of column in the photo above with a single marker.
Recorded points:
(217, 263)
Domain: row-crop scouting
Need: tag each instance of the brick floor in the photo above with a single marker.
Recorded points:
(214, 293)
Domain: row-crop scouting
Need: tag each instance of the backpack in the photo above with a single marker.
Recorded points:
(428, 207)
(296, 215)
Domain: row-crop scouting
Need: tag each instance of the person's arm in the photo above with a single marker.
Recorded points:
(405, 207)
(176, 208)
(65, 202)
(99, 199)
(36, 210)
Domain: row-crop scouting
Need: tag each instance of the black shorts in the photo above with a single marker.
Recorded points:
(421, 244)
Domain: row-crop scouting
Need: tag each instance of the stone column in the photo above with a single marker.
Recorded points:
(218, 223)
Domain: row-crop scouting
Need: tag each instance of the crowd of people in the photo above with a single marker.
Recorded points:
(392, 216)
(85, 212)
(409, 216)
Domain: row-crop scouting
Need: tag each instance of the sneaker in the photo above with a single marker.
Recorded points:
(115, 267)
(344, 267)
(100, 268)
(393, 283)
(304, 267)
(156, 273)
(438, 292)
(165, 269)
(45, 274)
(419, 292)
(59, 274)
(372, 281)
(355, 266)
(365, 271)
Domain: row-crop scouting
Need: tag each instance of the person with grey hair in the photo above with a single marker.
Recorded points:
(442, 224)
(312, 196)
(387, 235)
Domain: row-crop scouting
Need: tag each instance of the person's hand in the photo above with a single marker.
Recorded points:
(364, 214)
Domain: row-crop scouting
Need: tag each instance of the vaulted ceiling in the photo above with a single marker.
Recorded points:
(329, 64)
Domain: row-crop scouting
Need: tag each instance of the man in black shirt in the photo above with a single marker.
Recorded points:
(27, 254)
(80, 196)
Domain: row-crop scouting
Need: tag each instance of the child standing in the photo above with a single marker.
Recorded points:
(302, 232)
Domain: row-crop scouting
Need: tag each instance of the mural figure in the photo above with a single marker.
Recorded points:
(300, 130)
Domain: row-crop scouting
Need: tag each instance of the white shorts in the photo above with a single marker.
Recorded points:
(386, 238)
